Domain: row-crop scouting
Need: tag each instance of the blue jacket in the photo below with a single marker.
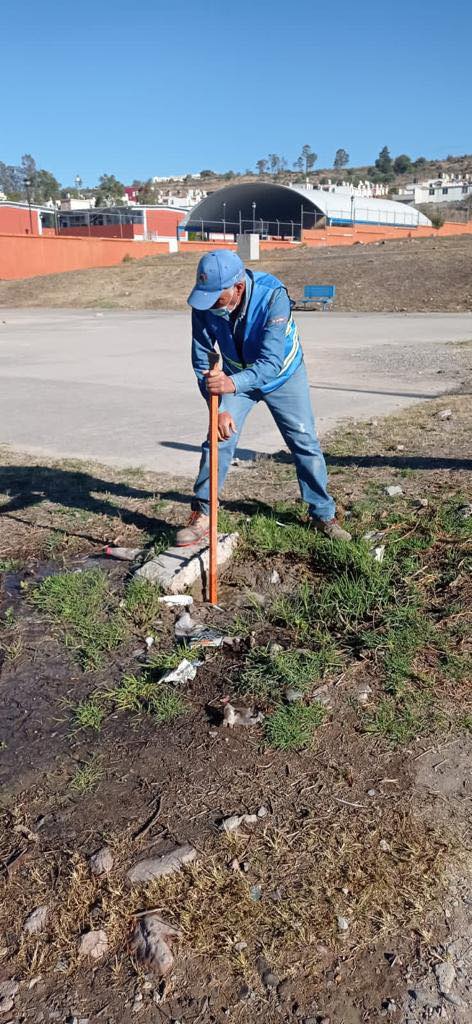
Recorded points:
(260, 347)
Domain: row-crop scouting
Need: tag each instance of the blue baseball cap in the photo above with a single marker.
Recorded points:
(215, 272)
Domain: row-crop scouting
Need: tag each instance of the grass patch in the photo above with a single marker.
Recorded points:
(83, 605)
(143, 695)
(292, 726)
(87, 776)
(141, 602)
(402, 717)
(89, 714)
(266, 674)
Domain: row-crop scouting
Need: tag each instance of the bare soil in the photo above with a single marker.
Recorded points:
(427, 274)
(356, 826)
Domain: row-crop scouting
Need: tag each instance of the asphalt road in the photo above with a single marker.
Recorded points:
(118, 386)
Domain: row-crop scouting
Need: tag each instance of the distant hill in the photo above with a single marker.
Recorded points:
(430, 168)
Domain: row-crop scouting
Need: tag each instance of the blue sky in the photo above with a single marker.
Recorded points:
(167, 87)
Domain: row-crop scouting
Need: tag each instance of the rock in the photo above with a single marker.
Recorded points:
(422, 503)
(177, 600)
(151, 944)
(138, 1003)
(384, 846)
(244, 993)
(445, 977)
(178, 568)
(342, 923)
(274, 577)
(241, 716)
(235, 820)
(400, 447)
(371, 792)
(445, 414)
(101, 862)
(465, 512)
(292, 696)
(8, 990)
(93, 944)
(275, 649)
(234, 864)
(239, 947)
(263, 811)
(363, 696)
(36, 921)
(269, 979)
(255, 893)
(158, 867)
(393, 490)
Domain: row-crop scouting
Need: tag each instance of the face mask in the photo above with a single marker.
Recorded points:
(225, 311)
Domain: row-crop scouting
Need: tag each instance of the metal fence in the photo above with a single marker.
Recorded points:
(308, 219)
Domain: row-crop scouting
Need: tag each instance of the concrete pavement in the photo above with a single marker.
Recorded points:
(118, 386)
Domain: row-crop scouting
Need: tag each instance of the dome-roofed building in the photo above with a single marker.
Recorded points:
(283, 210)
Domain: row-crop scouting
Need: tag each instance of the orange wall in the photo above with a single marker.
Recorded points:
(23, 256)
(16, 221)
(163, 222)
(374, 233)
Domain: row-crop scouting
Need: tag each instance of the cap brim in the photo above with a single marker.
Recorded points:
(200, 299)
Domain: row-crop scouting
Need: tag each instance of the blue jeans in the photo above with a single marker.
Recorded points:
(291, 408)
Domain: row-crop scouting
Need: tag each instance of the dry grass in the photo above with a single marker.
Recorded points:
(308, 873)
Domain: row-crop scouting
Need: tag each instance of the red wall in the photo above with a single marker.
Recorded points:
(16, 221)
(24, 256)
(102, 231)
(163, 222)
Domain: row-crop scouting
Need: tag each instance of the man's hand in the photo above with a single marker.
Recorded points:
(226, 426)
(218, 383)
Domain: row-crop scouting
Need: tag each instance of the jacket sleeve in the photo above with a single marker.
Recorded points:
(202, 347)
(270, 360)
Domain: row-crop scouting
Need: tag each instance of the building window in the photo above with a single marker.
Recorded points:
(445, 191)
(431, 191)
(465, 189)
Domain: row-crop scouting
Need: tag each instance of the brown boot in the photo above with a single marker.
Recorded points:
(331, 529)
(196, 531)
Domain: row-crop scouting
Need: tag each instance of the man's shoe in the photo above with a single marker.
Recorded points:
(331, 529)
(196, 531)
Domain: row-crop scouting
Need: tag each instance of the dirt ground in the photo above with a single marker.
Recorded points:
(428, 274)
(350, 892)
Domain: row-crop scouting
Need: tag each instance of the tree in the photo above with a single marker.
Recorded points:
(11, 181)
(298, 164)
(207, 174)
(308, 157)
(420, 162)
(341, 158)
(274, 163)
(402, 164)
(45, 186)
(261, 166)
(110, 191)
(384, 163)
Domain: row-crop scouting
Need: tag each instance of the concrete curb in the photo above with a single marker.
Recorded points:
(178, 568)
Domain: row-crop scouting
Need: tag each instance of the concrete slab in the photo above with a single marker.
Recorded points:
(118, 387)
(179, 568)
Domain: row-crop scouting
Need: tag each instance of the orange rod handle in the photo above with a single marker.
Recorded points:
(213, 568)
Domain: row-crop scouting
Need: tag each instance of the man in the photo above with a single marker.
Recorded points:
(248, 314)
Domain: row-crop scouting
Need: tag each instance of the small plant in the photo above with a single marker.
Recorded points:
(436, 218)
(401, 718)
(89, 714)
(167, 705)
(88, 776)
(292, 727)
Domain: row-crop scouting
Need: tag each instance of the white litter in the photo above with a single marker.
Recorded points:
(445, 414)
(274, 577)
(379, 553)
(393, 490)
(186, 671)
(179, 600)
